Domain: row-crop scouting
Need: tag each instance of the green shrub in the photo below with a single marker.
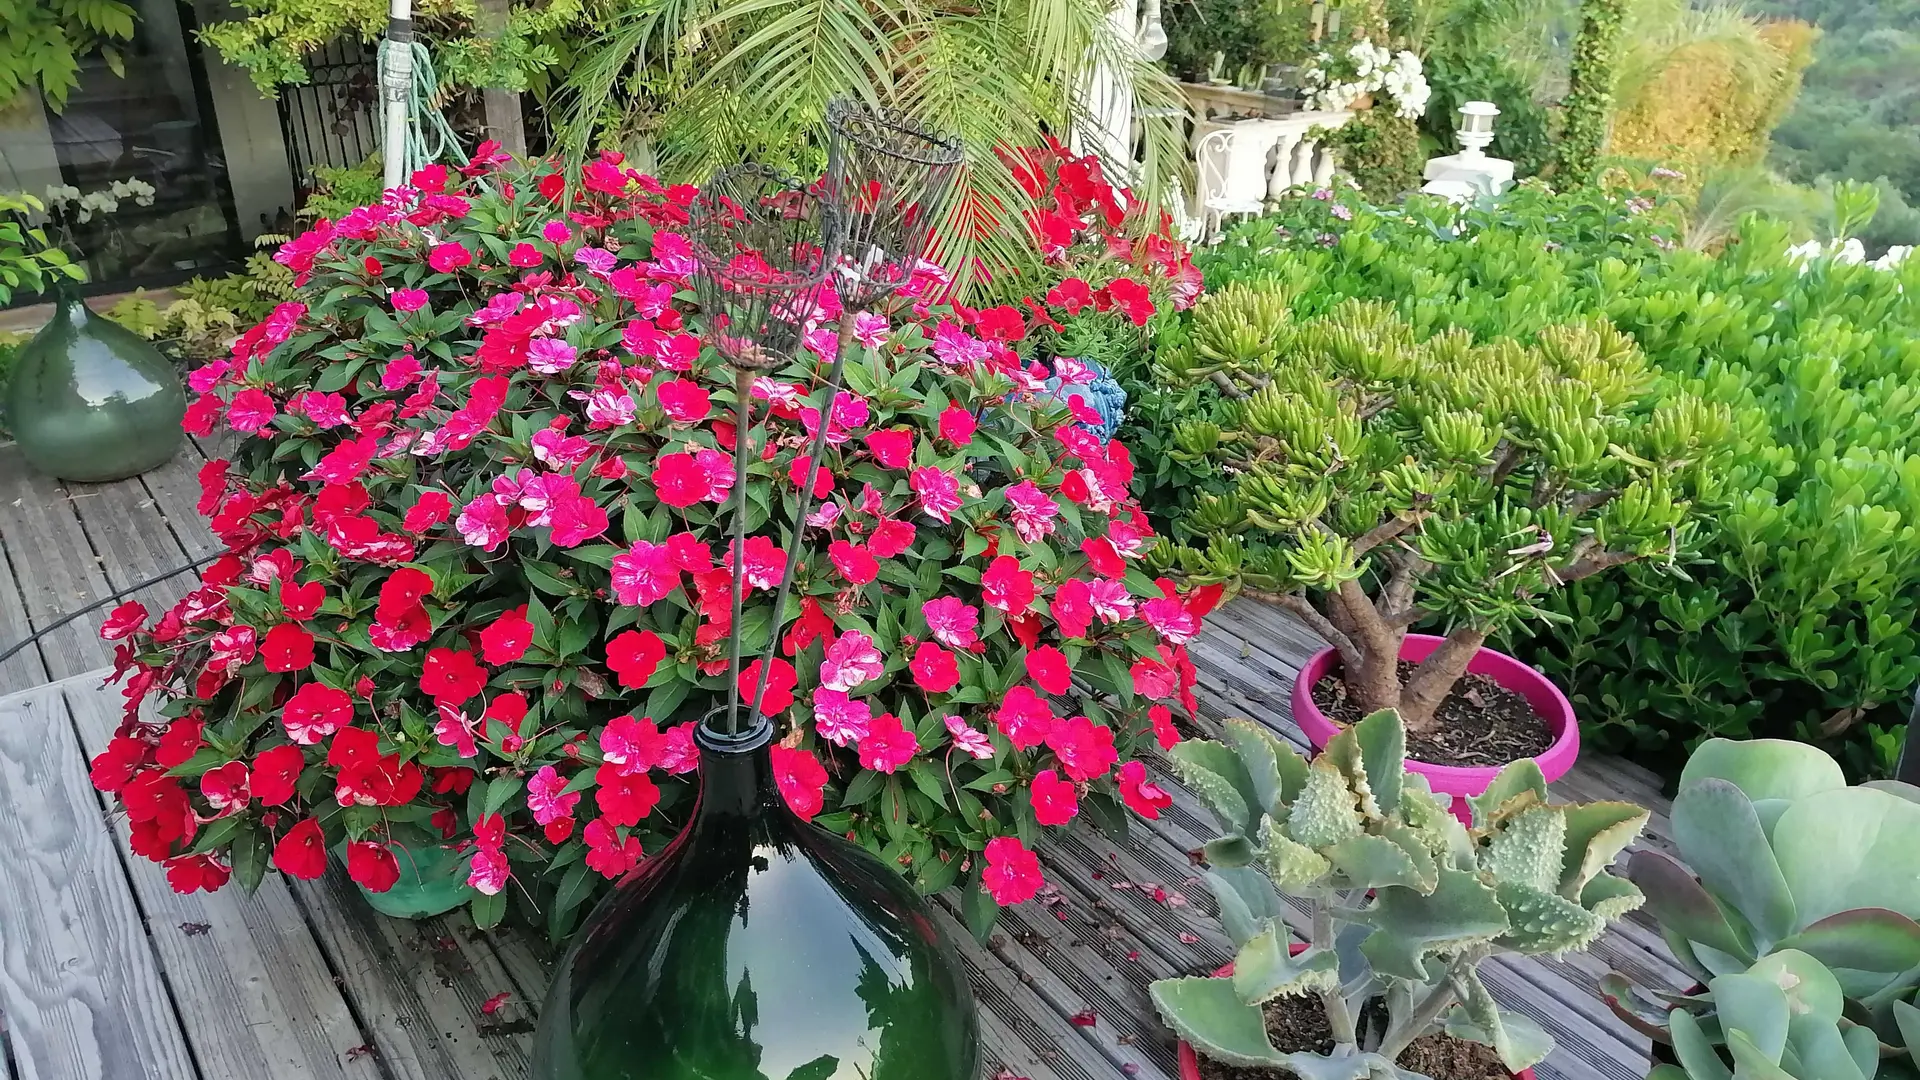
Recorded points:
(1801, 618)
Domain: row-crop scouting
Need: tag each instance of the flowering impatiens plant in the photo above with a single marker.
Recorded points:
(477, 587)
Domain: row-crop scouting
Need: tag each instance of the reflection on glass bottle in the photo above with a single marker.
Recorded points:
(757, 947)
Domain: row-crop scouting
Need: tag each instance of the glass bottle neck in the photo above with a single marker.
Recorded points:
(736, 772)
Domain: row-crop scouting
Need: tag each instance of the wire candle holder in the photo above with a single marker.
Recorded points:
(765, 244)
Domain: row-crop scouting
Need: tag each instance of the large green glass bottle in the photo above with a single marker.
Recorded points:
(757, 947)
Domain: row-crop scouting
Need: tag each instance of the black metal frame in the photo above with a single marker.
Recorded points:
(325, 122)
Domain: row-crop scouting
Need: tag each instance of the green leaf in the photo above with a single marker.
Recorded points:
(487, 911)
(1721, 838)
(249, 855)
(1208, 1014)
(1264, 969)
(979, 908)
(863, 787)
(499, 790)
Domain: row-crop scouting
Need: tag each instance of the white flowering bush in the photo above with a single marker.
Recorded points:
(1848, 252)
(65, 199)
(1336, 81)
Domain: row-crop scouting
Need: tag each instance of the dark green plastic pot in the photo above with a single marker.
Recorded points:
(433, 881)
(757, 947)
(91, 401)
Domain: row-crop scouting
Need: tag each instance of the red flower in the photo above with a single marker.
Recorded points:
(892, 448)
(274, 773)
(685, 401)
(124, 621)
(1048, 668)
(201, 415)
(452, 678)
(891, 538)
(448, 257)
(1055, 801)
(679, 480)
(225, 788)
(524, 256)
(1002, 323)
(372, 866)
(1072, 608)
(1072, 294)
(287, 647)
(778, 695)
(887, 744)
(1163, 729)
(1141, 795)
(1106, 561)
(1152, 679)
(301, 602)
(853, 562)
(1085, 748)
(302, 853)
(822, 477)
(116, 765)
(1131, 298)
(957, 425)
(935, 670)
(250, 411)
(801, 780)
(315, 712)
(624, 799)
(1025, 718)
(607, 854)
(634, 655)
(506, 639)
(1006, 586)
(192, 872)
(430, 510)
(1012, 874)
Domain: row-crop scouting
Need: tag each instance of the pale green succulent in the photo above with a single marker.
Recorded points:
(1787, 876)
(1403, 900)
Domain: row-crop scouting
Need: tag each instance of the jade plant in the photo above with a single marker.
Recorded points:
(1368, 478)
(1402, 901)
(1796, 916)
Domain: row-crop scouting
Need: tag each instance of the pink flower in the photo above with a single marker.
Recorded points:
(632, 746)
(448, 257)
(1085, 748)
(850, 661)
(325, 410)
(1072, 608)
(869, 329)
(1012, 874)
(550, 355)
(556, 232)
(556, 449)
(225, 787)
(524, 255)
(608, 855)
(952, 620)
(489, 871)
(1007, 587)
(766, 564)
(548, 797)
(250, 411)
(1111, 600)
(887, 745)
(685, 402)
(1152, 679)
(957, 425)
(1048, 668)
(938, 492)
(935, 670)
(840, 719)
(408, 299)
(483, 523)
(644, 574)
(1025, 718)
(801, 780)
(1171, 619)
(1141, 795)
(956, 348)
(315, 712)
(1055, 801)
(455, 730)
(892, 448)
(967, 739)
(611, 407)
(1032, 510)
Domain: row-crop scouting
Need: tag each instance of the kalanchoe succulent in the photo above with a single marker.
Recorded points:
(1402, 900)
(478, 575)
(1799, 924)
(1369, 478)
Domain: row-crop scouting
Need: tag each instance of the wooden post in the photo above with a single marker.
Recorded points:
(500, 109)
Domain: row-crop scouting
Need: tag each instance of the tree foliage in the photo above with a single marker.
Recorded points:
(43, 41)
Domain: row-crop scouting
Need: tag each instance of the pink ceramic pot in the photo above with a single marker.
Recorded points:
(1190, 1061)
(1545, 698)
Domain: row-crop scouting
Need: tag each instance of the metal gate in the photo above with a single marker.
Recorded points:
(333, 120)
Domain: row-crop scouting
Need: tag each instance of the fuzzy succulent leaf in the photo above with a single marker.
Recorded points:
(1611, 897)
(1596, 835)
(1520, 1042)
(1344, 755)
(1215, 773)
(1263, 969)
(1248, 902)
(1546, 922)
(1372, 862)
(1323, 814)
(1293, 866)
(1528, 849)
(1208, 1014)
(1260, 754)
(1230, 851)
(1367, 1066)
(1721, 838)
(1516, 787)
(1382, 740)
(1409, 926)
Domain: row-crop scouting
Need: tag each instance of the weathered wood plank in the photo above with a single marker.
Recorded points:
(128, 530)
(255, 995)
(416, 987)
(80, 990)
(175, 488)
(24, 669)
(54, 565)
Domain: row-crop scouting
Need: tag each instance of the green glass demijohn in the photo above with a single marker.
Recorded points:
(91, 401)
(757, 946)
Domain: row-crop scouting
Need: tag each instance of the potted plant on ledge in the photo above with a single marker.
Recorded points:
(1369, 481)
(1405, 901)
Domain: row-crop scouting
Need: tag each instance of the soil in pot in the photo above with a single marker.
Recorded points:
(1299, 1023)
(1481, 724)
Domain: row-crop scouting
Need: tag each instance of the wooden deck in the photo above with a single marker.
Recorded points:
(106, 973)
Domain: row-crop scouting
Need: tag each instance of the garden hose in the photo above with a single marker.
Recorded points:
(428, 136)
(117, 594)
